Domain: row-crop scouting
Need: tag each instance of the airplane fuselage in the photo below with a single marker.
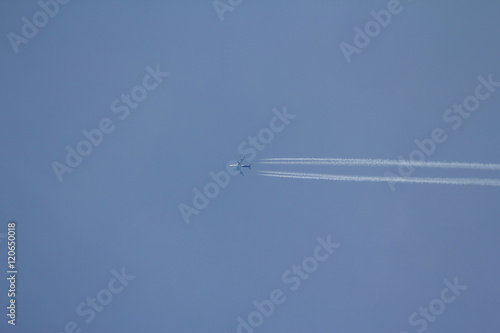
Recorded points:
(239, 165)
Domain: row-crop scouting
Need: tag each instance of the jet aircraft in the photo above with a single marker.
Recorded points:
(240, 165)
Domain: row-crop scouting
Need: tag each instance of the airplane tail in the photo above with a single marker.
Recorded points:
(250, 166)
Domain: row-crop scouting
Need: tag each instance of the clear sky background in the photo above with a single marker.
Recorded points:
(120, 207)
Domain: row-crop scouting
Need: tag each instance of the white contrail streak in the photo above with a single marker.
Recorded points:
(420, 180)
(379, 162)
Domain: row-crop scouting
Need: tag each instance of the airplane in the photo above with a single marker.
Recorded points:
(238, 166)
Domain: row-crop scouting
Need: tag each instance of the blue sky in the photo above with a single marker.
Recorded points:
(117, 213)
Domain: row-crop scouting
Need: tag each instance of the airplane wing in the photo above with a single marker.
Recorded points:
(241, 172)
(241, 160)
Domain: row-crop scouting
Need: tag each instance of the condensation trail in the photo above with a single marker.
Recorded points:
(379, 162)
(420, 180)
